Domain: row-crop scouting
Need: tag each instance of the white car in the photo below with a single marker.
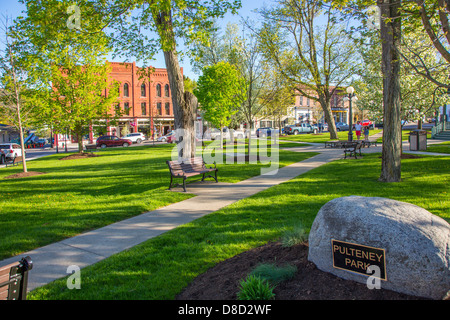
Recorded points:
(215, 134)
(9, 151)
(137, 137)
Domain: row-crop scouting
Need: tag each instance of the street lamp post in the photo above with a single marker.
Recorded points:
(351, 96)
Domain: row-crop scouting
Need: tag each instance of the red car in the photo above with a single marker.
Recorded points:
(366, 123)
(171, 138)
(113, 141)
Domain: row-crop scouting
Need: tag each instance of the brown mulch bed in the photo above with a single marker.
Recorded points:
(82, 155)
(24, 175)
(222, 281)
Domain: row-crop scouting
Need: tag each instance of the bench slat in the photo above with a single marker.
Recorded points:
(6, 269)
(4, 293)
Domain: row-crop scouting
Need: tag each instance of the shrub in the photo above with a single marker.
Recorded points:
(274, 274)
(296, 236)
(255, 288)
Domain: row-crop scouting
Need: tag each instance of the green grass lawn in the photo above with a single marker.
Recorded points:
(323, 137)
(74, 196)
(439, 148)
(161, 267)
(405, 136)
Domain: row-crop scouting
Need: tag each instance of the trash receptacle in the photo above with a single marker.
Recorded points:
(418, 140)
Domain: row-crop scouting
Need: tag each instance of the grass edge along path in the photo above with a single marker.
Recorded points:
(75, 196)
(443, 147)
(161, 267)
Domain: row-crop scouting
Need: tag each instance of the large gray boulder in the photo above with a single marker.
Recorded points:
(416, 242)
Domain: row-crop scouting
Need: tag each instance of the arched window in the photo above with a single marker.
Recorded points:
(158, 90)
(166, 90)
(143, 94)
(125, 90)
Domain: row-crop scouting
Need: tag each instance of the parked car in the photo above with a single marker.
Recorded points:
(166, 137)
(341, 126)
(172, 138)
(215, 134)
(9, 151)
(136, 137)
(112, 141)
(301, 128)
(266, 132)
(366, 123)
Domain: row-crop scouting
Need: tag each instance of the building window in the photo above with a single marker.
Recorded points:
(143, 90)
(166, 90)
(158, 90)
(117, 109)
(307, 102)
(127, 108)
(125, 90)
(167, 108)
(144, 108)
(301, 100)
(158, 107)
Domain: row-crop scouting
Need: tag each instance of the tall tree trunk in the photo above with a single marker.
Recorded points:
(184, 107)
(392, 132)
(325, 104)
(19, 117)
(184, 103)
(79, 134)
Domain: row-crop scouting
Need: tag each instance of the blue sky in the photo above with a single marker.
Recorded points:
(13, 8)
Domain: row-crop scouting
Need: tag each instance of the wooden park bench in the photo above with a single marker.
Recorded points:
(334, 144)
(14, 280)
(15, 161)
(190, 168)
(331, 144)
(352, 148)
(90, 146)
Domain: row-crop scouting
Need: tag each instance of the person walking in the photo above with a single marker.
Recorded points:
(366, 133)
(358, 128)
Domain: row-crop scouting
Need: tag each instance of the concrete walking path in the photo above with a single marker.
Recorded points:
(52, 261)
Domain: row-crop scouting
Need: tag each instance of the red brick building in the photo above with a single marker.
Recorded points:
(142, 100)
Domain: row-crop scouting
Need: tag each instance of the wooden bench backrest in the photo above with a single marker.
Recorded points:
(14, 280)
(193, 164)
(4, 278)
(10, 279)
(352, 144)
